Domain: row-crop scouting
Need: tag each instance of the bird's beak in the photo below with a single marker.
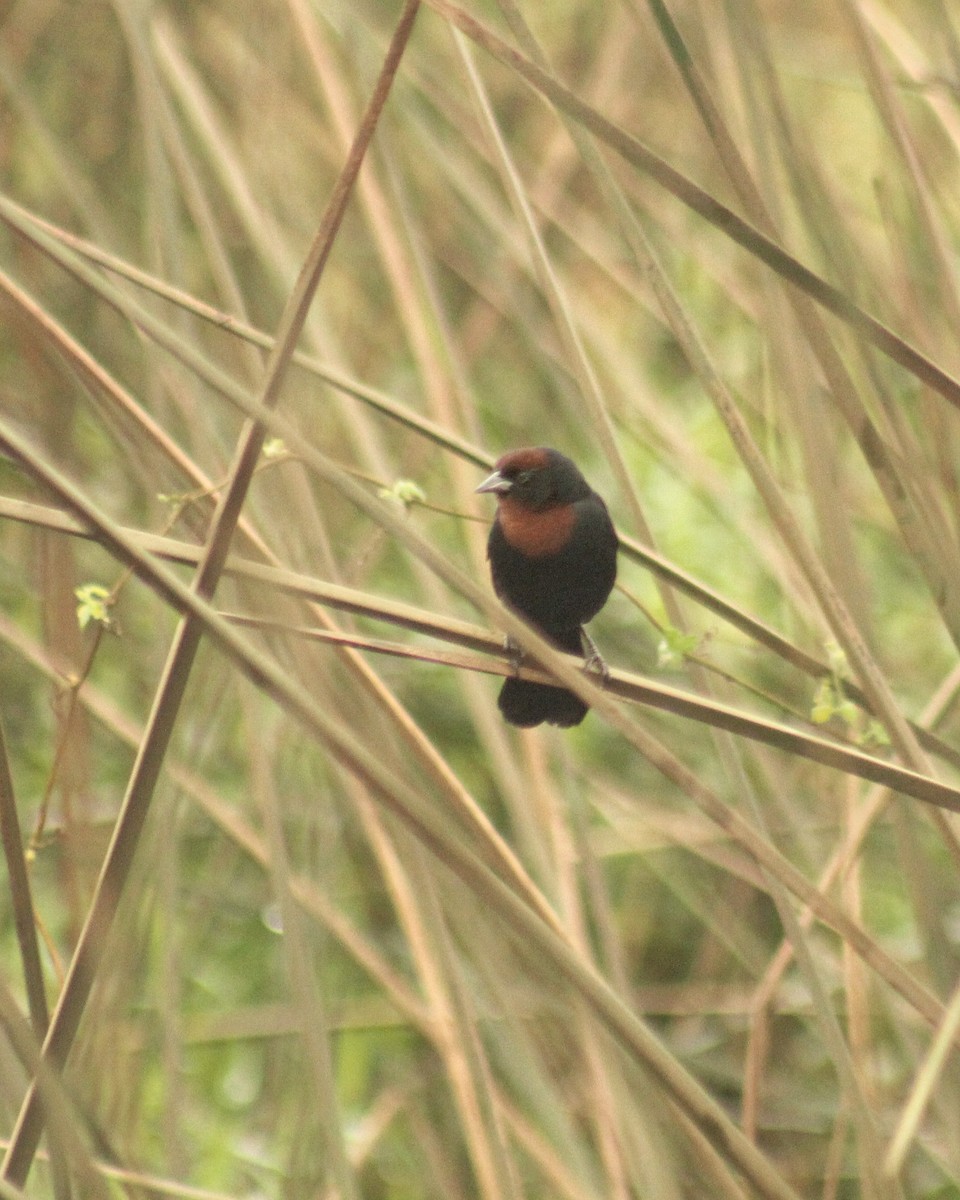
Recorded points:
(495, 483)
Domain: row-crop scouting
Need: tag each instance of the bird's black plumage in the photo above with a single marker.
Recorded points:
(553, 559)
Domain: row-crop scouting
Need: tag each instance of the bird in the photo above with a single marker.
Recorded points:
(553, 560)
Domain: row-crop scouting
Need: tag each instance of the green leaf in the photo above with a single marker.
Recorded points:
(94, 604)
(847, 711)
(837, 659)
(405, 492)
(824, 705)
(674, 646)
(875, 734)
(830, 701)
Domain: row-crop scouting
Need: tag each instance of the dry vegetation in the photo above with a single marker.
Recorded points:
(292, 909)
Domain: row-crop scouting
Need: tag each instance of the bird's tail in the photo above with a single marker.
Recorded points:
(526, 704)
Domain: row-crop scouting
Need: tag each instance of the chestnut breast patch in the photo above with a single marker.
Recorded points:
(536, 534)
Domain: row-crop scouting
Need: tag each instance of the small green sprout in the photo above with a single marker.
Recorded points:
(831, 700)
(95, 601)
(405, 492)
(875, 734)
(674, 647)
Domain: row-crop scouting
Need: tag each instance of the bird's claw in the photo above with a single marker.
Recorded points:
(514, 653)
(593, 660)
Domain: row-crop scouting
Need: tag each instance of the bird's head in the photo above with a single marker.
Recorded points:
(536, 478)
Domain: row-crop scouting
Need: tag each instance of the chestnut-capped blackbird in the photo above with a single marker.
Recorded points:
(553, 558)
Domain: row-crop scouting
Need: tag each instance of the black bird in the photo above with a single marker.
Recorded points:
(553, 558)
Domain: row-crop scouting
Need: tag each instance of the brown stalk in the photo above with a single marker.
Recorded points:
(20, 898)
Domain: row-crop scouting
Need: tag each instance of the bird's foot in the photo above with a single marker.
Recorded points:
(514, 653)
(593, 660)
